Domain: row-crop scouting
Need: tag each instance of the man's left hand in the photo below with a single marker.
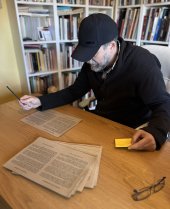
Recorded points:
(143, 140)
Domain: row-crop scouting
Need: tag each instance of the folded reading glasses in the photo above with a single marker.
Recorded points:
(141, 194)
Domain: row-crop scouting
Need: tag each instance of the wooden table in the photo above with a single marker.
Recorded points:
(120, 169)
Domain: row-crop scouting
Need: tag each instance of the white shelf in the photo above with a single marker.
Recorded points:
(72, 69)
(69, 41)
(71, 5)
(155, 42)
(33, 14)
(42, 73)
(130, 6)
(158, 4)
(34, 3)
(100, 7)
(38, 42)
(50, 57)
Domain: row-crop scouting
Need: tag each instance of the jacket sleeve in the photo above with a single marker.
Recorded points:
(68, 95)
(153, 93)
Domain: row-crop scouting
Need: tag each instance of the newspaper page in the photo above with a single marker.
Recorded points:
(51, 121)
(94, 150)
(59, 168)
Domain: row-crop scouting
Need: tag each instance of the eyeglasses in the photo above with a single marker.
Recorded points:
(141, 194)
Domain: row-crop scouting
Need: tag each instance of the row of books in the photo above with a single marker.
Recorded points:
(39, 27)
(40, 60)
(101, 2)
(128, 22)
(68, 26)
(69, 78)
(136, 2)
(129, 2)
(65, 57)
(156, 24)
(40, 84)
(91, 2)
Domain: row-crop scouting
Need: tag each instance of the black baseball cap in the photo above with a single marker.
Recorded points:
(95, 30)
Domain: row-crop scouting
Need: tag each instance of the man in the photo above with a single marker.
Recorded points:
(126, 80)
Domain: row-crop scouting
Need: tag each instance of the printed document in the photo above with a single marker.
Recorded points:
(64, 168)
(51, 121)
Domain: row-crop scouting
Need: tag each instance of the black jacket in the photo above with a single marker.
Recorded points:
(133, 92)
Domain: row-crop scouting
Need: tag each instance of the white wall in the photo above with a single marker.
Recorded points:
(11, 64)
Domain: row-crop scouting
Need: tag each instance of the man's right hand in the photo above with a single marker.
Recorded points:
(28, 102)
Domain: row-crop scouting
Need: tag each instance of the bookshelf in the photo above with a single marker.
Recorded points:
(144, 21)
(48, 34)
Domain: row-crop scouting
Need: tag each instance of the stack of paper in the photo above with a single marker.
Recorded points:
(59, 166)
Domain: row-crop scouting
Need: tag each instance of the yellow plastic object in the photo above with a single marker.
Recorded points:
(123, 142)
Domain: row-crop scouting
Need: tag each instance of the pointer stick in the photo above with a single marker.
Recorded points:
(13, 93)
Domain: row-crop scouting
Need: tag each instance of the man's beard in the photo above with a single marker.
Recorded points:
(96, 67)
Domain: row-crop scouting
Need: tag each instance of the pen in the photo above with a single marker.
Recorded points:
(13, 93)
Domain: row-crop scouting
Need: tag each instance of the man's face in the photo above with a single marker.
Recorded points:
(100, 60)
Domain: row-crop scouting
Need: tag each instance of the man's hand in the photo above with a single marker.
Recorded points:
(143, 140)
(28, 102)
